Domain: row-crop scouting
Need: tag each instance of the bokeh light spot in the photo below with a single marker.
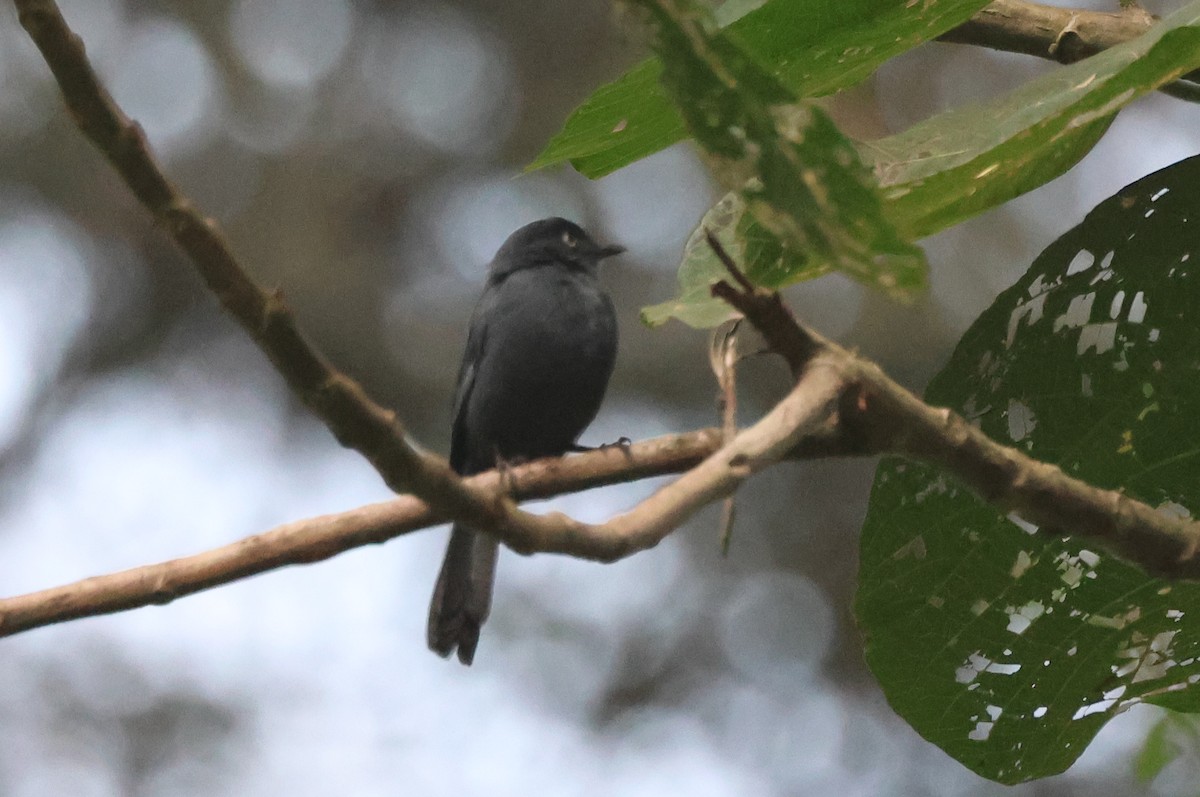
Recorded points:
(473, 216)
(777, 628)
(45, 299)
(167, 83)
(442, 79)
(291, 43)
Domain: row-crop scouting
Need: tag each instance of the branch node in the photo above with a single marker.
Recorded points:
(1070, 29)
(275, 310)
(130, 135)
(176, 215)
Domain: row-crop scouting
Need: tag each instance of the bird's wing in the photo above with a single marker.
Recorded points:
(466, 381)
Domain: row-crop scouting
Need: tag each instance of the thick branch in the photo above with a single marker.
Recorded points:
(1065, 35)
(884, 416)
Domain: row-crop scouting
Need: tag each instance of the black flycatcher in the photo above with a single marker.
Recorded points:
(541, 347)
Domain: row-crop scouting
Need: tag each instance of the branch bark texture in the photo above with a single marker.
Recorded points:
(885, 417)
(1060, 34)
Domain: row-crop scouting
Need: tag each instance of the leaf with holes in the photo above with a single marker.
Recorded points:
(1007, 648)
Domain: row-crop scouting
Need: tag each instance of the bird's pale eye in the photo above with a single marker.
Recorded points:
(569, 239)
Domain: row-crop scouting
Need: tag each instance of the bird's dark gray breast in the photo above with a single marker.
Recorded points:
(548, 350)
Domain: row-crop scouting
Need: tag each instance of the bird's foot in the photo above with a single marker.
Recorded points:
(504, 466)
(620, 442)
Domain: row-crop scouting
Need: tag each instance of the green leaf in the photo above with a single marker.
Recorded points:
(814, 47)
(968, 160)
(814, 205)
(1010, 649)
(963, 162)
(766, 263)
(1157, 752)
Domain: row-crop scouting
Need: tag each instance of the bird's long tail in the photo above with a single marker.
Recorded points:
(463, 594)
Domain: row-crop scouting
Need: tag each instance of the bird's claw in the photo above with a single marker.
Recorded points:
(504, 466)
(620, 442)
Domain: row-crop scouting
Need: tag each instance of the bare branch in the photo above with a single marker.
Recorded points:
(355, 420)
(315, 539)
(841, 405)
(884, 416)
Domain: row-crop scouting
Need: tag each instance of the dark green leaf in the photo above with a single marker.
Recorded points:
(1011, 649)
(814, 47)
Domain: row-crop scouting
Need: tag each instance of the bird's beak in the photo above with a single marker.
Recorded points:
(609, 251)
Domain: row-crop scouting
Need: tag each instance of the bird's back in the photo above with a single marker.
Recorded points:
(549, 341)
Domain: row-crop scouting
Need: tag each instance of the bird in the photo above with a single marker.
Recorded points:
(541, 346)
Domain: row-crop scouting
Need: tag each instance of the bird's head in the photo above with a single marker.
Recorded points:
(552, 240)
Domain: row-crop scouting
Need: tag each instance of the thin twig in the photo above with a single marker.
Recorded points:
(723, 357)
(719, 250)
(315, 539)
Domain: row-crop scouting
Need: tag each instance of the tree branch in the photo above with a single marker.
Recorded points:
(319, 538)
(884, 416)
(355, 420)
(315, 539)
(1065, 35)
(841, 404)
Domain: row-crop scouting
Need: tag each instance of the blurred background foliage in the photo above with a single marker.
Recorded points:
(367, 157)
